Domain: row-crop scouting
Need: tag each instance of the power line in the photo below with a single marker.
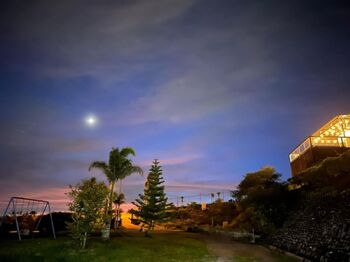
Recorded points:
(202, 197)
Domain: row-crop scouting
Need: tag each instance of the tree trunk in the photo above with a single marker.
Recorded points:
(148, 230)
(116, 220)
(83, 244)
(118, 216)
(107, 230)
(253, 236)
(118, 206)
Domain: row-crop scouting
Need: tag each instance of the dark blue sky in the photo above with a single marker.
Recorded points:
(213, 89)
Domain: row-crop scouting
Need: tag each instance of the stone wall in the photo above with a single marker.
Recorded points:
(318, 229)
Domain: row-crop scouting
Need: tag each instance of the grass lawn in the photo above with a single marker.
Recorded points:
(131, 247)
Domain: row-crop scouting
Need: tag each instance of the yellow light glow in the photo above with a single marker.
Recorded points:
(331, 134)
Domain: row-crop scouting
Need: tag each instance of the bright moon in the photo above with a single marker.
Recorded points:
(90, 120)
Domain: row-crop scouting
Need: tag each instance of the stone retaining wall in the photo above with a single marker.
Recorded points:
(318, 231)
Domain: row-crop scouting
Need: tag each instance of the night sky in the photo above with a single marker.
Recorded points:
(213, 89)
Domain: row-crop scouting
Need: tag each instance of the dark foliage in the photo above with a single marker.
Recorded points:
(331, 175)
(193, 216)
(44, 228)
(263, 201)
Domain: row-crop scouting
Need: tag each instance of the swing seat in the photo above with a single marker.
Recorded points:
(25, 213)
(25, 232)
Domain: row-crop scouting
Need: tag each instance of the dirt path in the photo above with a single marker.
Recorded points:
(227, 250)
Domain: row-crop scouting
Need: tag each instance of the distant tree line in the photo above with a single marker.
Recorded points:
(264, 202)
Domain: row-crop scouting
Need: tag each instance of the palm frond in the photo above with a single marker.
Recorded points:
(127, 151)
(99, 165)
(119, 199)
(137, 169)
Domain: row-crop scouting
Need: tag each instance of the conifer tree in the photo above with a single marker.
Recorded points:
(152, 205)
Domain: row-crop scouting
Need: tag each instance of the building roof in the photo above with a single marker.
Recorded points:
(335, 133)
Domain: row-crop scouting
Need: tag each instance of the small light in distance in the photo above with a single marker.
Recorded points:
(91, 120)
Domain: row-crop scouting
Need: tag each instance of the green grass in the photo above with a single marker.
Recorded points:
(131, 247)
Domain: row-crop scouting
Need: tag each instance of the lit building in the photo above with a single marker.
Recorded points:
(330, 140)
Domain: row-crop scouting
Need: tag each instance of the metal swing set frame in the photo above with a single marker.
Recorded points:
(14, 201)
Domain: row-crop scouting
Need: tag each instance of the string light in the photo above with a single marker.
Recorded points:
(335, 133)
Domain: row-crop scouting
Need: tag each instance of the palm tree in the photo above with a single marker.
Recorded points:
(118, 201)
(218, 193)
(117, 168)
(212, 197)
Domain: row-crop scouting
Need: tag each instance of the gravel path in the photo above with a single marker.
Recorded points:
(227, 250)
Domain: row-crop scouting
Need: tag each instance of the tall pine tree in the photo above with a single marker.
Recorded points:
(152, 205)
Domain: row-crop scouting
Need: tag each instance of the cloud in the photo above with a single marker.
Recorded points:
(199, 93)
(55, 195)
(198, 186)
(206, 88)
(121, 35)
(172, 160)
(34, 160)
(199, 72)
